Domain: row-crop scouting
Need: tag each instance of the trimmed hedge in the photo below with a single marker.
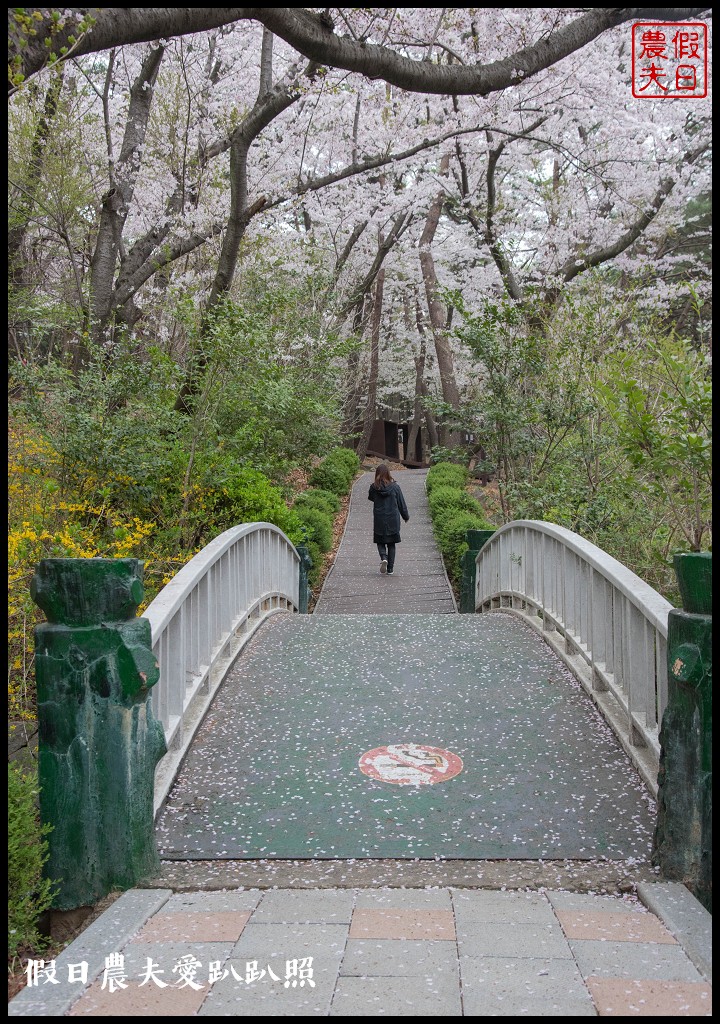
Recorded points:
(450, 529)
(317, 507)
(326, 501)
(331, 477)
(446, 474)
(335, 473)
(247, 496)
(317, 526)
(453, 512)
(444, 497)
(345, 457)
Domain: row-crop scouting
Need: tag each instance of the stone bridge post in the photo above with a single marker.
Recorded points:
(476, 539)
(305, 566)
(682, 845)
(99, 742)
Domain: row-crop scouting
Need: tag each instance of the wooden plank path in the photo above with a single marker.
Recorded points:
(419, 584)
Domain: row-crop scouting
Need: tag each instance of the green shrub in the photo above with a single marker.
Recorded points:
(446, 474)
(331, 477)
(450, 528)
(247, 496)
(344, 457)
(335, 473)
(317, 561)
(326, 501)
(444, 497)
(29, 894)
(318, 526)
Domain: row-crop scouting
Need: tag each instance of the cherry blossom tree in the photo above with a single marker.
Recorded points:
(512, 156)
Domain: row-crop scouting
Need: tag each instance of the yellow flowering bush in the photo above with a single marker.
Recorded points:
(43, 525)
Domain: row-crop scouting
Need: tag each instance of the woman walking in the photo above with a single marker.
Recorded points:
(389, 506)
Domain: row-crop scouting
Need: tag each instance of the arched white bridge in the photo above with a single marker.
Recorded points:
(606, 624)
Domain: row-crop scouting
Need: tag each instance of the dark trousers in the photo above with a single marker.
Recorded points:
(387, 551)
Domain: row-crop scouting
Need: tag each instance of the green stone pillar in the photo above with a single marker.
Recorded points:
(476, 539)
(682, 846)
(99, 742)
(305, 566)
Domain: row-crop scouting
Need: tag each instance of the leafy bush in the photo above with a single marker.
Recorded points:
(331, 477)
(326, 501)
(317, 560)
(29, 894)
(335, 473)
(344, 457)
(446, 474)
(453, 513)
(248, 497)
(450, 528)
(444, 497)
(317, 525)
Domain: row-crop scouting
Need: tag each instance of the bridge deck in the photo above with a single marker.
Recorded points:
(419, 583)
(274, 771)
(291, 759)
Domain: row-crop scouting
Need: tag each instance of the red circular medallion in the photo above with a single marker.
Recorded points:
(410, 764)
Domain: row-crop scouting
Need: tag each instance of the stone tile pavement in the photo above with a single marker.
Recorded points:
(384, 952)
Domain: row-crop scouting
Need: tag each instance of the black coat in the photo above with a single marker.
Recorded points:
(389, 506)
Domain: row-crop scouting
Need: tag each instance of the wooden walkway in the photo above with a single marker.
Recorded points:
(419, 584)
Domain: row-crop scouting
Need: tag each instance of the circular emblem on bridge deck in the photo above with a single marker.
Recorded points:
(410, 764)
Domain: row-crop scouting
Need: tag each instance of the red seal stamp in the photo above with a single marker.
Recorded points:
(669, 60)
(410, 764)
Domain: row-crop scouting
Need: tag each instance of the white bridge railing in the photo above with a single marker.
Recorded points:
(608, 626)
(202, 619)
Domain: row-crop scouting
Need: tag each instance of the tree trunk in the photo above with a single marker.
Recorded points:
(26, 200)
(370, 408)
(116, 201)
(418, 406)
(436, 310)
(352, 421)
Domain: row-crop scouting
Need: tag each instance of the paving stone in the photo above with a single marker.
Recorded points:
(149, 1001)
(426, 899)
(606, 926)
(593, 902)
(685, 916)
(290, 941)
(480, 907)
(532, 987)
(194, 926)
(270, 998)
(211, 902)
(305, 906)
(388, 923)
(396, 997)
(639, 998)
(396, 958)
(180, 995)
(107, 935)
(649, 960)
(519, 939)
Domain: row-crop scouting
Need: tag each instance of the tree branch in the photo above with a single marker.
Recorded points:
(310, 35)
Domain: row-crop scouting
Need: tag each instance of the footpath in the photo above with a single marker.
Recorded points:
(372, 935)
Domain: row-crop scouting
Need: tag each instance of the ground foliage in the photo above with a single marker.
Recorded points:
(102, 464)
(29, 893)
(598, 419)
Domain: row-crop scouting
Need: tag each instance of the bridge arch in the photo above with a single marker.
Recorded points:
(202, 619)
(605, 623)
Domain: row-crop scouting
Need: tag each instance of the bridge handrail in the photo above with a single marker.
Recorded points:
(612, 625)
(201, 619)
